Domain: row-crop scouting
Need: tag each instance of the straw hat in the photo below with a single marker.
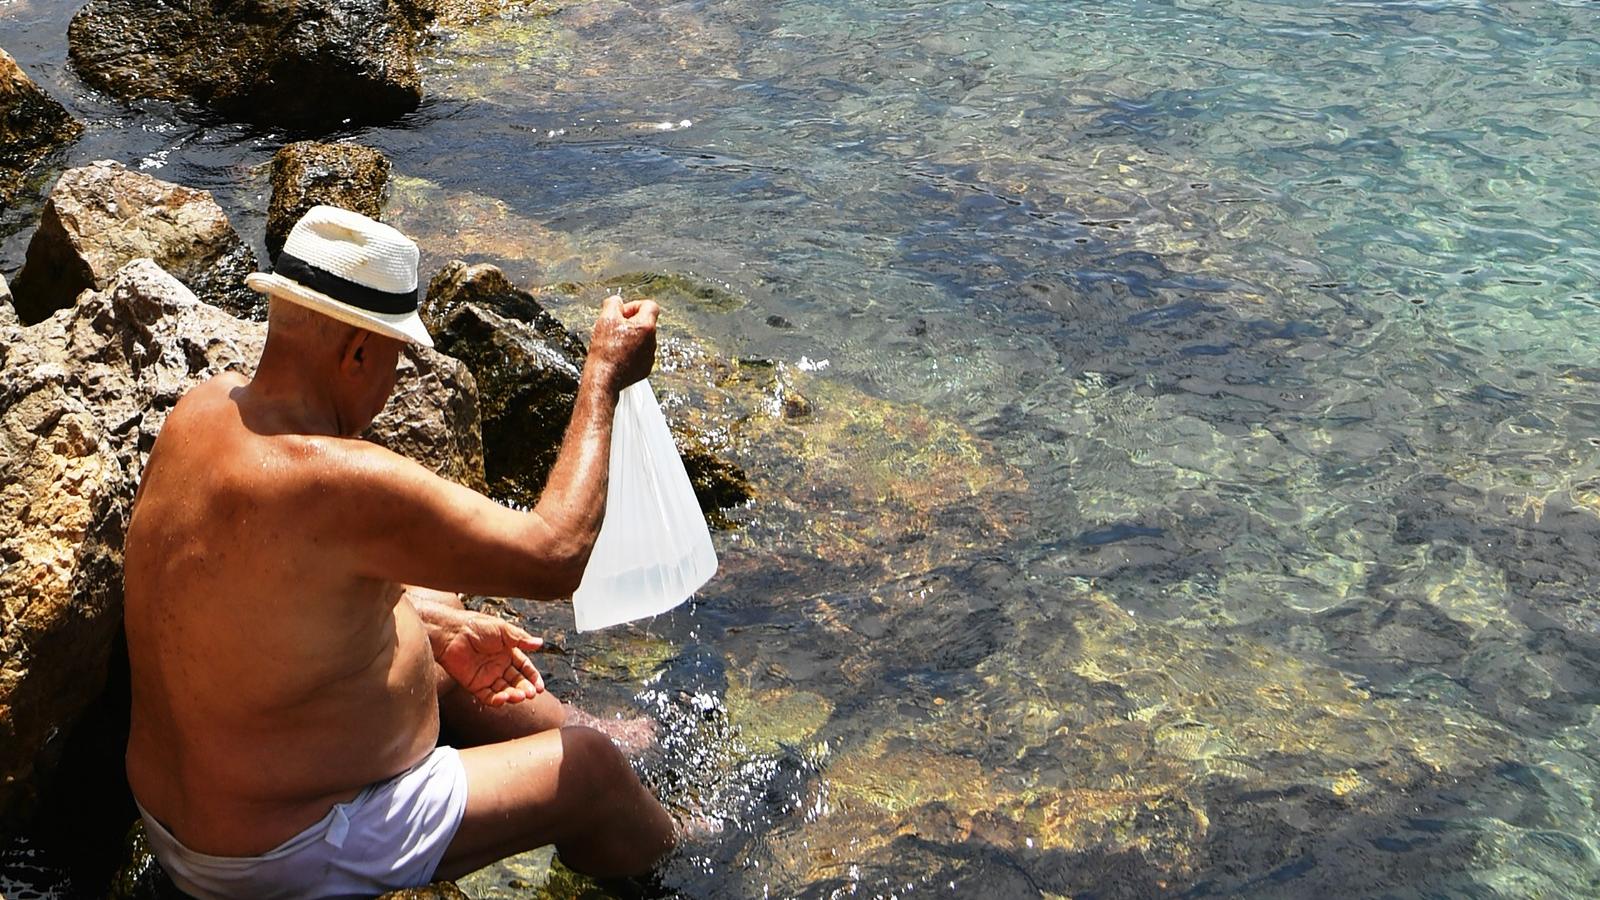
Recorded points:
(344, 265)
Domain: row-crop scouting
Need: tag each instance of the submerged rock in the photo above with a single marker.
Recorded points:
(32, 125)
(309, 173)
(311, 64)
(102, 216)
(82, 398)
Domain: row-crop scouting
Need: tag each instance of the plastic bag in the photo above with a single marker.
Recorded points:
(654, 549)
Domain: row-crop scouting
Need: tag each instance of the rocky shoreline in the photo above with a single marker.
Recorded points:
(132, 292)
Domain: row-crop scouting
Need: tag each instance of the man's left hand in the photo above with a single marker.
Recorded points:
(489, 657)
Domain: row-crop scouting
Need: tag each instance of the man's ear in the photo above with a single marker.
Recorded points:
(353, 360)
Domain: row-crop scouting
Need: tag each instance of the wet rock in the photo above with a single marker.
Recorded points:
(309, 173)
(312, 64)
(101, 216)
(32, 125)
(485, 285)
(527, 388)
(527, 366)
(82, 398)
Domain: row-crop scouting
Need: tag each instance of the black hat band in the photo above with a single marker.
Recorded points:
(343, 289)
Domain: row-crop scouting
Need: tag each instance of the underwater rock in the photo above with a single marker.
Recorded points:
(101, 216)
(82, 398)
(32, 125)
(308, 173)
(671, 290)
(313, 64)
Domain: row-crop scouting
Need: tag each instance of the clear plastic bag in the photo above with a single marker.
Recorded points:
(654, 549)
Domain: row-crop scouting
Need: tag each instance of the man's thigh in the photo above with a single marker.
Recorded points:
(549, 788)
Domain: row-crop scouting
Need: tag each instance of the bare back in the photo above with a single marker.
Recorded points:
(269, 679)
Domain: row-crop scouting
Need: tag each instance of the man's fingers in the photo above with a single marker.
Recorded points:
(643, 312)
(611, 306)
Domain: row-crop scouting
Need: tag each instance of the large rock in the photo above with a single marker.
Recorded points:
(309, 173)
(308, 64)
(32, 125)
(527, 367)
(102, 216)
(527, 389)
(82, 398)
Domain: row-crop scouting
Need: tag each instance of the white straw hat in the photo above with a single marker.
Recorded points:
(344, 265)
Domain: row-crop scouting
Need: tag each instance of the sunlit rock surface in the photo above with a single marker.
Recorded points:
(102, 216)
(309, 65)
(83, 396)
(32, 126)
(308, 173)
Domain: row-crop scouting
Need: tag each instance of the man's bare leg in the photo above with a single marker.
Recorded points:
(570, 787)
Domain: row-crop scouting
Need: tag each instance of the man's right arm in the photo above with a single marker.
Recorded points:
(402, 523)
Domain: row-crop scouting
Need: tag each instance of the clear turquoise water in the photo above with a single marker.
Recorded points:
(1285, 315)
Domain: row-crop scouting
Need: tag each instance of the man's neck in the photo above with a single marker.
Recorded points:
(286, 396)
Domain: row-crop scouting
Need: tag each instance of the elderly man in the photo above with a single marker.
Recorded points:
(288, 685)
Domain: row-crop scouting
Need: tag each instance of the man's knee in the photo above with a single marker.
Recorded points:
(598, 769)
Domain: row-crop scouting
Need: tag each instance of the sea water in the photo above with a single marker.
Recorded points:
(1254, 340)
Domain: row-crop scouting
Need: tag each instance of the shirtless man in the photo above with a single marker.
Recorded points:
(288, 686)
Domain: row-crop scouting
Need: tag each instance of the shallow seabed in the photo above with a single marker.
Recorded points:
(1199, 490)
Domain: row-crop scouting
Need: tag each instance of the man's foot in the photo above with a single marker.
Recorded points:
(632, 736)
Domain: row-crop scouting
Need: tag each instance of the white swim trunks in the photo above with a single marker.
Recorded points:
(391, 836)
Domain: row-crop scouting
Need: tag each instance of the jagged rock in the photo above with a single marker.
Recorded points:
(309, 173)
(458, 283)
(32, 125)
(311, 64)
(101, 216)
(527, 388)
(82, 398)
(527, 367)
(432, 417)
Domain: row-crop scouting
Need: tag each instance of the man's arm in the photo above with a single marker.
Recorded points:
(399, 522)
